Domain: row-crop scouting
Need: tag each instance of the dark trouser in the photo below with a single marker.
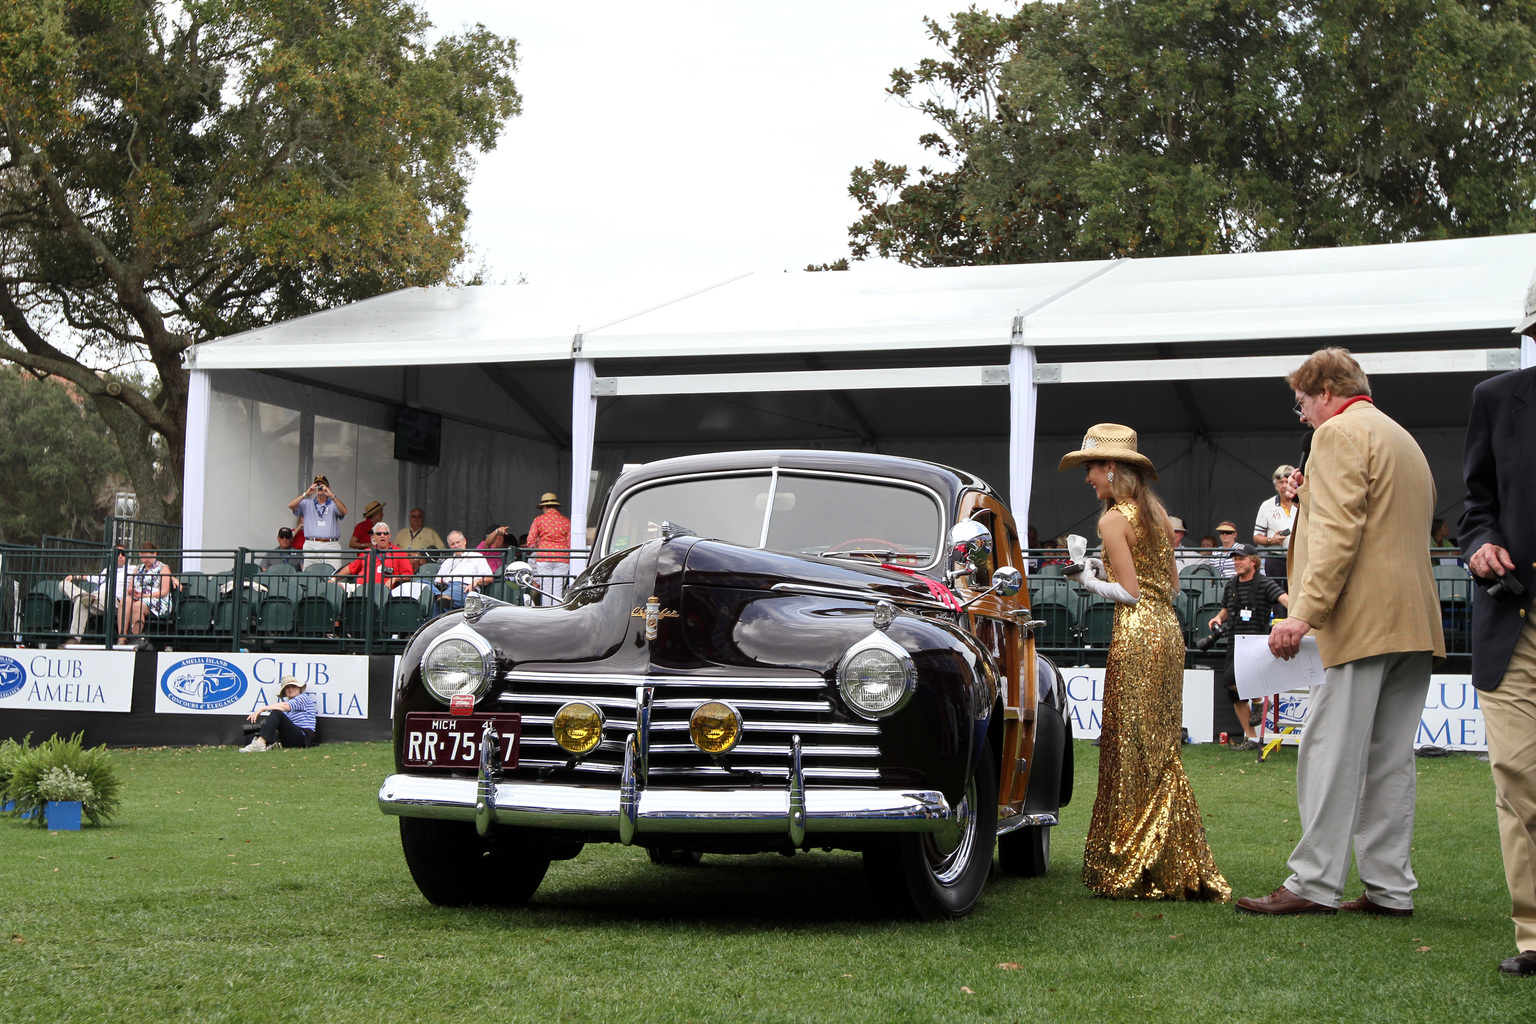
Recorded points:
(1274, 568)
(277, 726)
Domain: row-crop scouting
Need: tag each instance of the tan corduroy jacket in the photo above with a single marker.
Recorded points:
(1359, 563)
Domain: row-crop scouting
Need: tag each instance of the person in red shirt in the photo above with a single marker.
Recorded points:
(360, 533)
(390, 564)
(550, 539)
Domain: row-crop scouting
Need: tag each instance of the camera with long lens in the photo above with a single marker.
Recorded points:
(1205, 643)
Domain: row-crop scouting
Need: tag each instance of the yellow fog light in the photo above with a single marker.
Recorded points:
(715, 727)
(578, 727)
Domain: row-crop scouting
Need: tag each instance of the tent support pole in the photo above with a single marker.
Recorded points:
(1023, 402)
(194, 475)
(583, 427)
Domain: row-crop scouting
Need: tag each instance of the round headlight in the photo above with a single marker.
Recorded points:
(876, 677)
(458, 662)
(715, 727)
(578, 727)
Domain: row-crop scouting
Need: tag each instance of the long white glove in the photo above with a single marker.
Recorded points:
(1114, 591)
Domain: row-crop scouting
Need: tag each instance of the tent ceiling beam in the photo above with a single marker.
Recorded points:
(1474, 360)
(802, 380)
(515, 391)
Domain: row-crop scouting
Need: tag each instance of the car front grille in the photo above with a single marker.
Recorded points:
(773, 708)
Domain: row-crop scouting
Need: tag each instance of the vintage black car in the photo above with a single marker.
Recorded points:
(771, 651)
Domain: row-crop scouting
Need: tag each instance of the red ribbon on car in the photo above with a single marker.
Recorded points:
(940, 592)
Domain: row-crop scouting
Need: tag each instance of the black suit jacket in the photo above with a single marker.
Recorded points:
(1500, 470)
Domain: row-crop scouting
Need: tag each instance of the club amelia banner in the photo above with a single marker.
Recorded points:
(1452, 718)
(1085, 690)
(63, 680)
(237, 684)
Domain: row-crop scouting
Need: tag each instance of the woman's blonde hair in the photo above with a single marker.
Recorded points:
(1129, 485)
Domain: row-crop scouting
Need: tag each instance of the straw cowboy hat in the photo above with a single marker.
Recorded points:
(548, 500)
(1109, 442)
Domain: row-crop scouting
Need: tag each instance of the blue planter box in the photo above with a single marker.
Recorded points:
(63, 815)
(10, 806)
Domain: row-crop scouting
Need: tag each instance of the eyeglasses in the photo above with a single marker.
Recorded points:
(1233, 532)
(381, 533)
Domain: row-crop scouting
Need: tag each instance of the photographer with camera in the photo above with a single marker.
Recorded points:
(322, 513)
(1246, 610)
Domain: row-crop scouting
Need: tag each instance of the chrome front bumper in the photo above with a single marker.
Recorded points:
(666, 810)
(489, 800)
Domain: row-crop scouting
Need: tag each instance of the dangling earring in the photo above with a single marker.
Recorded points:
(1111, 476)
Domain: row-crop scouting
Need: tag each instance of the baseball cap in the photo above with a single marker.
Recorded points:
(1242, 549)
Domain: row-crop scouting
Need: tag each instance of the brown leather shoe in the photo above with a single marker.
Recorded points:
(1282, 901)
(1363, 905)
(1521, 964)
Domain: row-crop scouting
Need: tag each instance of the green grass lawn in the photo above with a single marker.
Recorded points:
(270, 888)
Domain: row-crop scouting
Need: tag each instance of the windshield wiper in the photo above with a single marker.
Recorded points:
(881, 553)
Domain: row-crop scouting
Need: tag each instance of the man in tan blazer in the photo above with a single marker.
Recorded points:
(1360, 579)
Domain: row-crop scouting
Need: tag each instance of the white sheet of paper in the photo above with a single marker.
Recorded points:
(1260, 673)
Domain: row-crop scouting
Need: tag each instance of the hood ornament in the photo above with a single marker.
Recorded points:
(652, 613)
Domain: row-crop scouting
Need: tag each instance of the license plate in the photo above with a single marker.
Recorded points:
(453, 741)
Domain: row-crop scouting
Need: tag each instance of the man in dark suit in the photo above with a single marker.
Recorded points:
(1498, 538)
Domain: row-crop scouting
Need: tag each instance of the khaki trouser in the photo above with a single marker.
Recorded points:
(85, 604)
(1509, 714)
(1355, 780)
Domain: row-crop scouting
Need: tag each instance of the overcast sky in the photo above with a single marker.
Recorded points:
(683, 142)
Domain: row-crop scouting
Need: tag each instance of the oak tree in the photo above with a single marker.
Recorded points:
(172, 172)
(1099, 128)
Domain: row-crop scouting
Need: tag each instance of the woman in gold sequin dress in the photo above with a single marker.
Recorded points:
(1145, 840)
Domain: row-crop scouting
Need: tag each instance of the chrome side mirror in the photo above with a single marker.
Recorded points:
(1007, 581)
(968, 539)
(521, 573)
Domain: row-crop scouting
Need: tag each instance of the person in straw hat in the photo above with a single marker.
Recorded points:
(290, 719)
(1145, 838)
(550, 538)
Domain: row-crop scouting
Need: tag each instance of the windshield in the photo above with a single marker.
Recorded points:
(826, 516)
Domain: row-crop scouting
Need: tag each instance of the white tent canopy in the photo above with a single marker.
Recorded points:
(826, 358)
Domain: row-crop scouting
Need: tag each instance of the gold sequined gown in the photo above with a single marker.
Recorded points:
(1145, 840)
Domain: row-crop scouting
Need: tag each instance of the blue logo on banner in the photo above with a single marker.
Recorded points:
(13, 676)
(203, 684)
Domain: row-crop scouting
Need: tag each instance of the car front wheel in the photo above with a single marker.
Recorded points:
(936, 877)
(454, 867)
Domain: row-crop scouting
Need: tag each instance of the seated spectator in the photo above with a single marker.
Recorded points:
(148, 591)
(285, 553)
(495, 545)
(1446, 550)
(1226, 532)
(364, 529)
(290, 719)
(420, 539)
(1180, 560)
(94, 602)
(1061, 557)
(460, 572)
(390, 564)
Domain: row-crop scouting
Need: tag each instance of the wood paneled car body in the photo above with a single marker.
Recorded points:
(771, 651)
